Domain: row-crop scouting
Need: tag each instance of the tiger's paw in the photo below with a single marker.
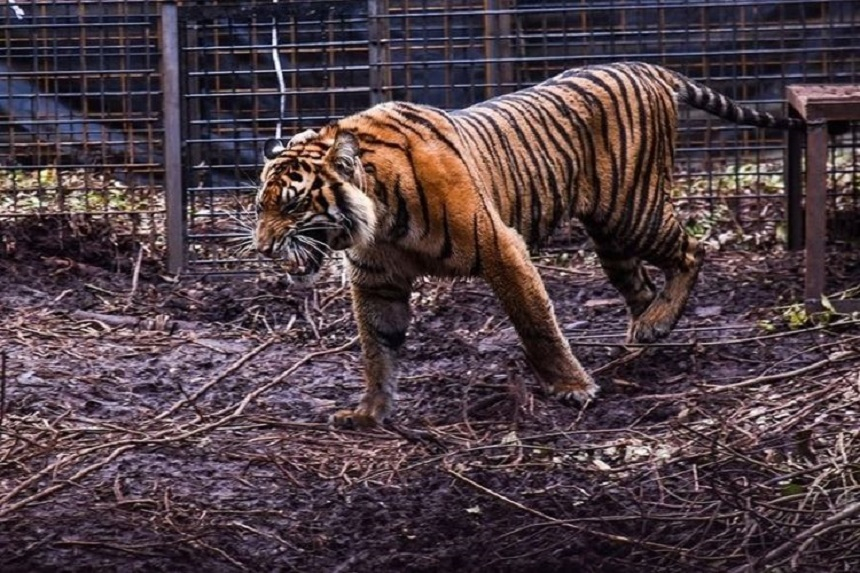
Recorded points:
(580, 392)
(373, 408)
(654, 324)
(353, 420)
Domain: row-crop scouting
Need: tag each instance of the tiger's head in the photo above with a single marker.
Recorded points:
(311, 199)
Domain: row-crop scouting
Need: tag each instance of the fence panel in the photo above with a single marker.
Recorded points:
(81, 104)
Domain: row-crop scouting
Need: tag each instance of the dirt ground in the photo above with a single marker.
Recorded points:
(155, 423)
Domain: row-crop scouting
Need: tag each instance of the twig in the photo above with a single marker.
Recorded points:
(7, 509)
(307, 358)
(2, 388)
(563, 270)
(707, 343)
(161, 322)
(189, 400)
(633, 354)
(136, 274)
(716, 389)
(230, 370)
(130, 549)
(780, 376)
(310, 320)
(834, 520)
(188, 432)
(560, 522)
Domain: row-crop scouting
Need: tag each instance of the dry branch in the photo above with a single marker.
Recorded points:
(798, 541)
(161, 322)
(227, 372)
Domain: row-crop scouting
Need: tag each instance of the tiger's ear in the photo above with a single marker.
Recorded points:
(272, 148)
(302, 137)
(343, 155)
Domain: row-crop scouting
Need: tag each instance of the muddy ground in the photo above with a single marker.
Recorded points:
(160, 423)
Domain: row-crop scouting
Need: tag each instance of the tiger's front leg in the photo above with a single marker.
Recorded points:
(519, 287)
(382, 313)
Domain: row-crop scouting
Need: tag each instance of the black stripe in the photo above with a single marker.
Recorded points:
(447, 247)
(401, 216)
(507, 164)
(477, 267)
(564, 148)
(472, 127)
(413, 114)
(651, 216)
(364, 267)
(387, 293)
(588, 98)
(496, 244)
(532, 112)
(661, 251)
(499, 151)
(644, 157)
(439, 113)
(422, 196)
(371, 139)
(393, 339)
(425, 209)
(381, 192)
(654, 168)
(339, 198)
(611, 146)
(655, 217)
(624, 124)
(321, 200)
(583, 148)
(532, 171)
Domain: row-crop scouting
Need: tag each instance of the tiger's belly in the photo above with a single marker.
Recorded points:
(387, 259)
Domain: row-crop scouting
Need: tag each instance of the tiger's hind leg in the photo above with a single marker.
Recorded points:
(679, 256)
(628, 275)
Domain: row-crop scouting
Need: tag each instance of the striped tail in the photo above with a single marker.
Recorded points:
(704, 98)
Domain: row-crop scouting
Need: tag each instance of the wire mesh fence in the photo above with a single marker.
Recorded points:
(80, 107)
(84, 97)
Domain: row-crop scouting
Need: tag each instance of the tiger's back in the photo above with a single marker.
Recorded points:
(580, 144)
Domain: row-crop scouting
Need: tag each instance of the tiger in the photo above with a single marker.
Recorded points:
(408, 190)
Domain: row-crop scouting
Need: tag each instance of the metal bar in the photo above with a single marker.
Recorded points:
(506, 52)
(816, 210)
(174, 196)
(377, 52)
(491, 48)
(794, 186)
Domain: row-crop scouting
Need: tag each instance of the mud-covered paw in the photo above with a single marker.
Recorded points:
(643, 332)
(654, 324)
(577, 393)
(352, 420)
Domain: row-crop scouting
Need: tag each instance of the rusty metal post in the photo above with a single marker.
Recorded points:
(172, 116)
(497, 24)
(379, 61)
(794, 186)
(816, 209)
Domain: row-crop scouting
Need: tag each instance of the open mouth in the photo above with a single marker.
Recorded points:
(302, 263)
(306, 253)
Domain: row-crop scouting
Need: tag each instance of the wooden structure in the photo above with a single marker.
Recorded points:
(817, 105)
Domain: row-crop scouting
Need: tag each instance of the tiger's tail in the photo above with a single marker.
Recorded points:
(702, 97)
